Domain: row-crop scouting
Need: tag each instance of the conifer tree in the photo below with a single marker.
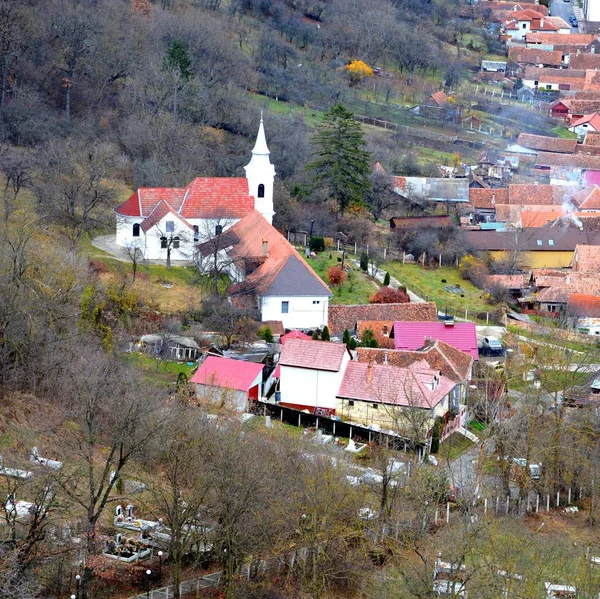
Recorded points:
(341, 162)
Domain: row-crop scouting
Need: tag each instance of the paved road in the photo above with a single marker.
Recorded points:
(562, 9)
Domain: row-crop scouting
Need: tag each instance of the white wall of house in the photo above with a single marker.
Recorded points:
(521, 29)
(581, 130)
(303, 312)
(589, 326)
(591, 10)
(541, 85)
(311, 388)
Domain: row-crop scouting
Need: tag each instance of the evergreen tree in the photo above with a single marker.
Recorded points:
(364, 261)
(179, 59)
(315, 336)
(352, 344)
(386, 279)
(346, 337)
(341, 163)
(325, 334)
(368, 339)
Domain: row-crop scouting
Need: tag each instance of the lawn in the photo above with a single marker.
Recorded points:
(429, 284)
(160, 371)
(562, 132)
(358, 287)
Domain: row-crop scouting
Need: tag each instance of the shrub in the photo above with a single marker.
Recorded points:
(325, 334)
(368, 339)
(346, 337)
(473, 269)
(387, 295)
(266, 334)
(352, 344)
(315, 336)
(336, 276)
(364, 261)
(317, 244)
(386, 279)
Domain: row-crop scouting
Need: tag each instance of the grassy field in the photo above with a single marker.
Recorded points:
(430, 283)
(561, 132)
(358, 287)
(161, 371)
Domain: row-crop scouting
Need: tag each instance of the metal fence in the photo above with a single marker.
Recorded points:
(185, 588)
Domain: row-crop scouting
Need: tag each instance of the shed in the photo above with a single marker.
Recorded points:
(170, 346)
(231, 383)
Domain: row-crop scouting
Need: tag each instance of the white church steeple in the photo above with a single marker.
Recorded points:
(260, 174)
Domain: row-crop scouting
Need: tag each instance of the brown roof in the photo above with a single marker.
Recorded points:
(421, 222)
(525, 194)
(585, 61)
(539, 218)
(543, 143)
(383, 383)
(580, 161)
(347, 317)
(276, 326)
(592, 138)
(451, 362)
(281, 270)
(508, 281)
(583, 304)
(440, 98)
(586, 259)
(487, 198)
(577, 106)
(534, 56)
(551, 39)
(316, 355)
(553, 295)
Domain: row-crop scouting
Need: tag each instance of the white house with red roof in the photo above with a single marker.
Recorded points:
(155, 219)
(227, 382)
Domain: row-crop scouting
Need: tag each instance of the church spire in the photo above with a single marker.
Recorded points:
(260, 147)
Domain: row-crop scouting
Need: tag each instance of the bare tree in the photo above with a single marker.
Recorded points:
(174, 237)
(135, 254)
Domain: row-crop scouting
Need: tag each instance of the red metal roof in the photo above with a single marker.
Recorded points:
(227, 373)
(317, 355)
(293, 335)
(160, 211)
(413, 335)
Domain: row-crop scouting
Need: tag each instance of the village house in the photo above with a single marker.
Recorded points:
(527, 143)
(496, 169)
(439, 106)
(587, 200)
(268, 274)
(544, 79)
(519, 58)
(171, 221)
(343, 317)
(523, 22)
(492, 70)
(551, 41)
(406, 400)
(584, 310)
(589, 122)
(564, 169)
(410, 336)
(433, 189)
(173, 347)
(585, 61)
(483, 203)
(572, 109)
(310, 375)
(228, 383)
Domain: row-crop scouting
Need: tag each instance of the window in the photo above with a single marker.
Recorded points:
(175, 243)
(261, 191)
(163, 243)
(170, 226)
(550, 241)
(285, 307)
(218, 229)
(375, 406)
(196, 233)
(136, 230)
(539, 242)
(385, 331)
(316, 302)
(548, 87)
(524, 26)
(350, 402)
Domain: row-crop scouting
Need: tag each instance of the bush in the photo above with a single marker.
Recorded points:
(317, 244)
(315, 336)
(387, 295)
(386, 279)
(352, 344)
(266, 334)
(336, 276)
(325, 334)
(473, 269)
(364, 261)
(346, 337)
(368, 339)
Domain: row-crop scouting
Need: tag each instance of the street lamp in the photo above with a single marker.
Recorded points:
(148, 574)
(77, 582)
(73, 596)
(312, 222)
(160, 554)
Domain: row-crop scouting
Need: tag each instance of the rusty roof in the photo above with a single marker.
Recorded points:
(315, 355)
(543, 143)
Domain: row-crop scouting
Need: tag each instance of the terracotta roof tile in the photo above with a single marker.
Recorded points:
(584, 305)
(585, 61)
(316, 355)
(534, 56)
(525, 194)
(440, 98)
(451, 362)
(539, 218)
(588, 199)
(508, 281)
(550, 39)
(543, 143)
(579, 161)
(586, 259)
(380, 383)
(592, 119)
(160, 211)
(421, 222)
(488, 198)
(381, 329)
(347, 317)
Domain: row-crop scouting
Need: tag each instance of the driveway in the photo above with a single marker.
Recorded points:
(107, 244)
(562, 9)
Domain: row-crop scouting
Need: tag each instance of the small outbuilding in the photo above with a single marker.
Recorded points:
(229, 383)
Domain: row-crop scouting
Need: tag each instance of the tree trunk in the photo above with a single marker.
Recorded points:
(4, 78)
(169, 256)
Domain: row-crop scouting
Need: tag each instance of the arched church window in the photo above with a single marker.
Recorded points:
(175, 243)
(218, 229)
(163, 243)
(261, 191)
(136, 229)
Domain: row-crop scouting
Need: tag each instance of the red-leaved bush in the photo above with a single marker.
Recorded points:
(336, 276)
(387, 295)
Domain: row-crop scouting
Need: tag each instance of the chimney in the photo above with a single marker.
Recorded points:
(370, 372)
(568, 280)
(385, 356)
(542, 22)
(265, 247)
(448, 323)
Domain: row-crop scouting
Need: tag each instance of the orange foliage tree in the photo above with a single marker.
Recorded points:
(387, 295)
(358, 70)
(336, 276)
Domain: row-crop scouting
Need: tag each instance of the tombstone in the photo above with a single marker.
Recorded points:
(130, 515)
(1, 462)
(119, 511)
(268, 422)
(351, 445)
(118, 538)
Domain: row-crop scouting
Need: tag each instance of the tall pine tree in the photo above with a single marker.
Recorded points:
(341, 162)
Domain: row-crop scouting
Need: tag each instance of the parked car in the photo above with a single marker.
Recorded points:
(575, 24)
(535, 470)
(492, 343)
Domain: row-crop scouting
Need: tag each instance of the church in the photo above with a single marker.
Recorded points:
(164, 218)
(268, 275)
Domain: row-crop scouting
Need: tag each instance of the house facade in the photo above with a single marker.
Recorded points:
(161, 221)
(311, 373)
